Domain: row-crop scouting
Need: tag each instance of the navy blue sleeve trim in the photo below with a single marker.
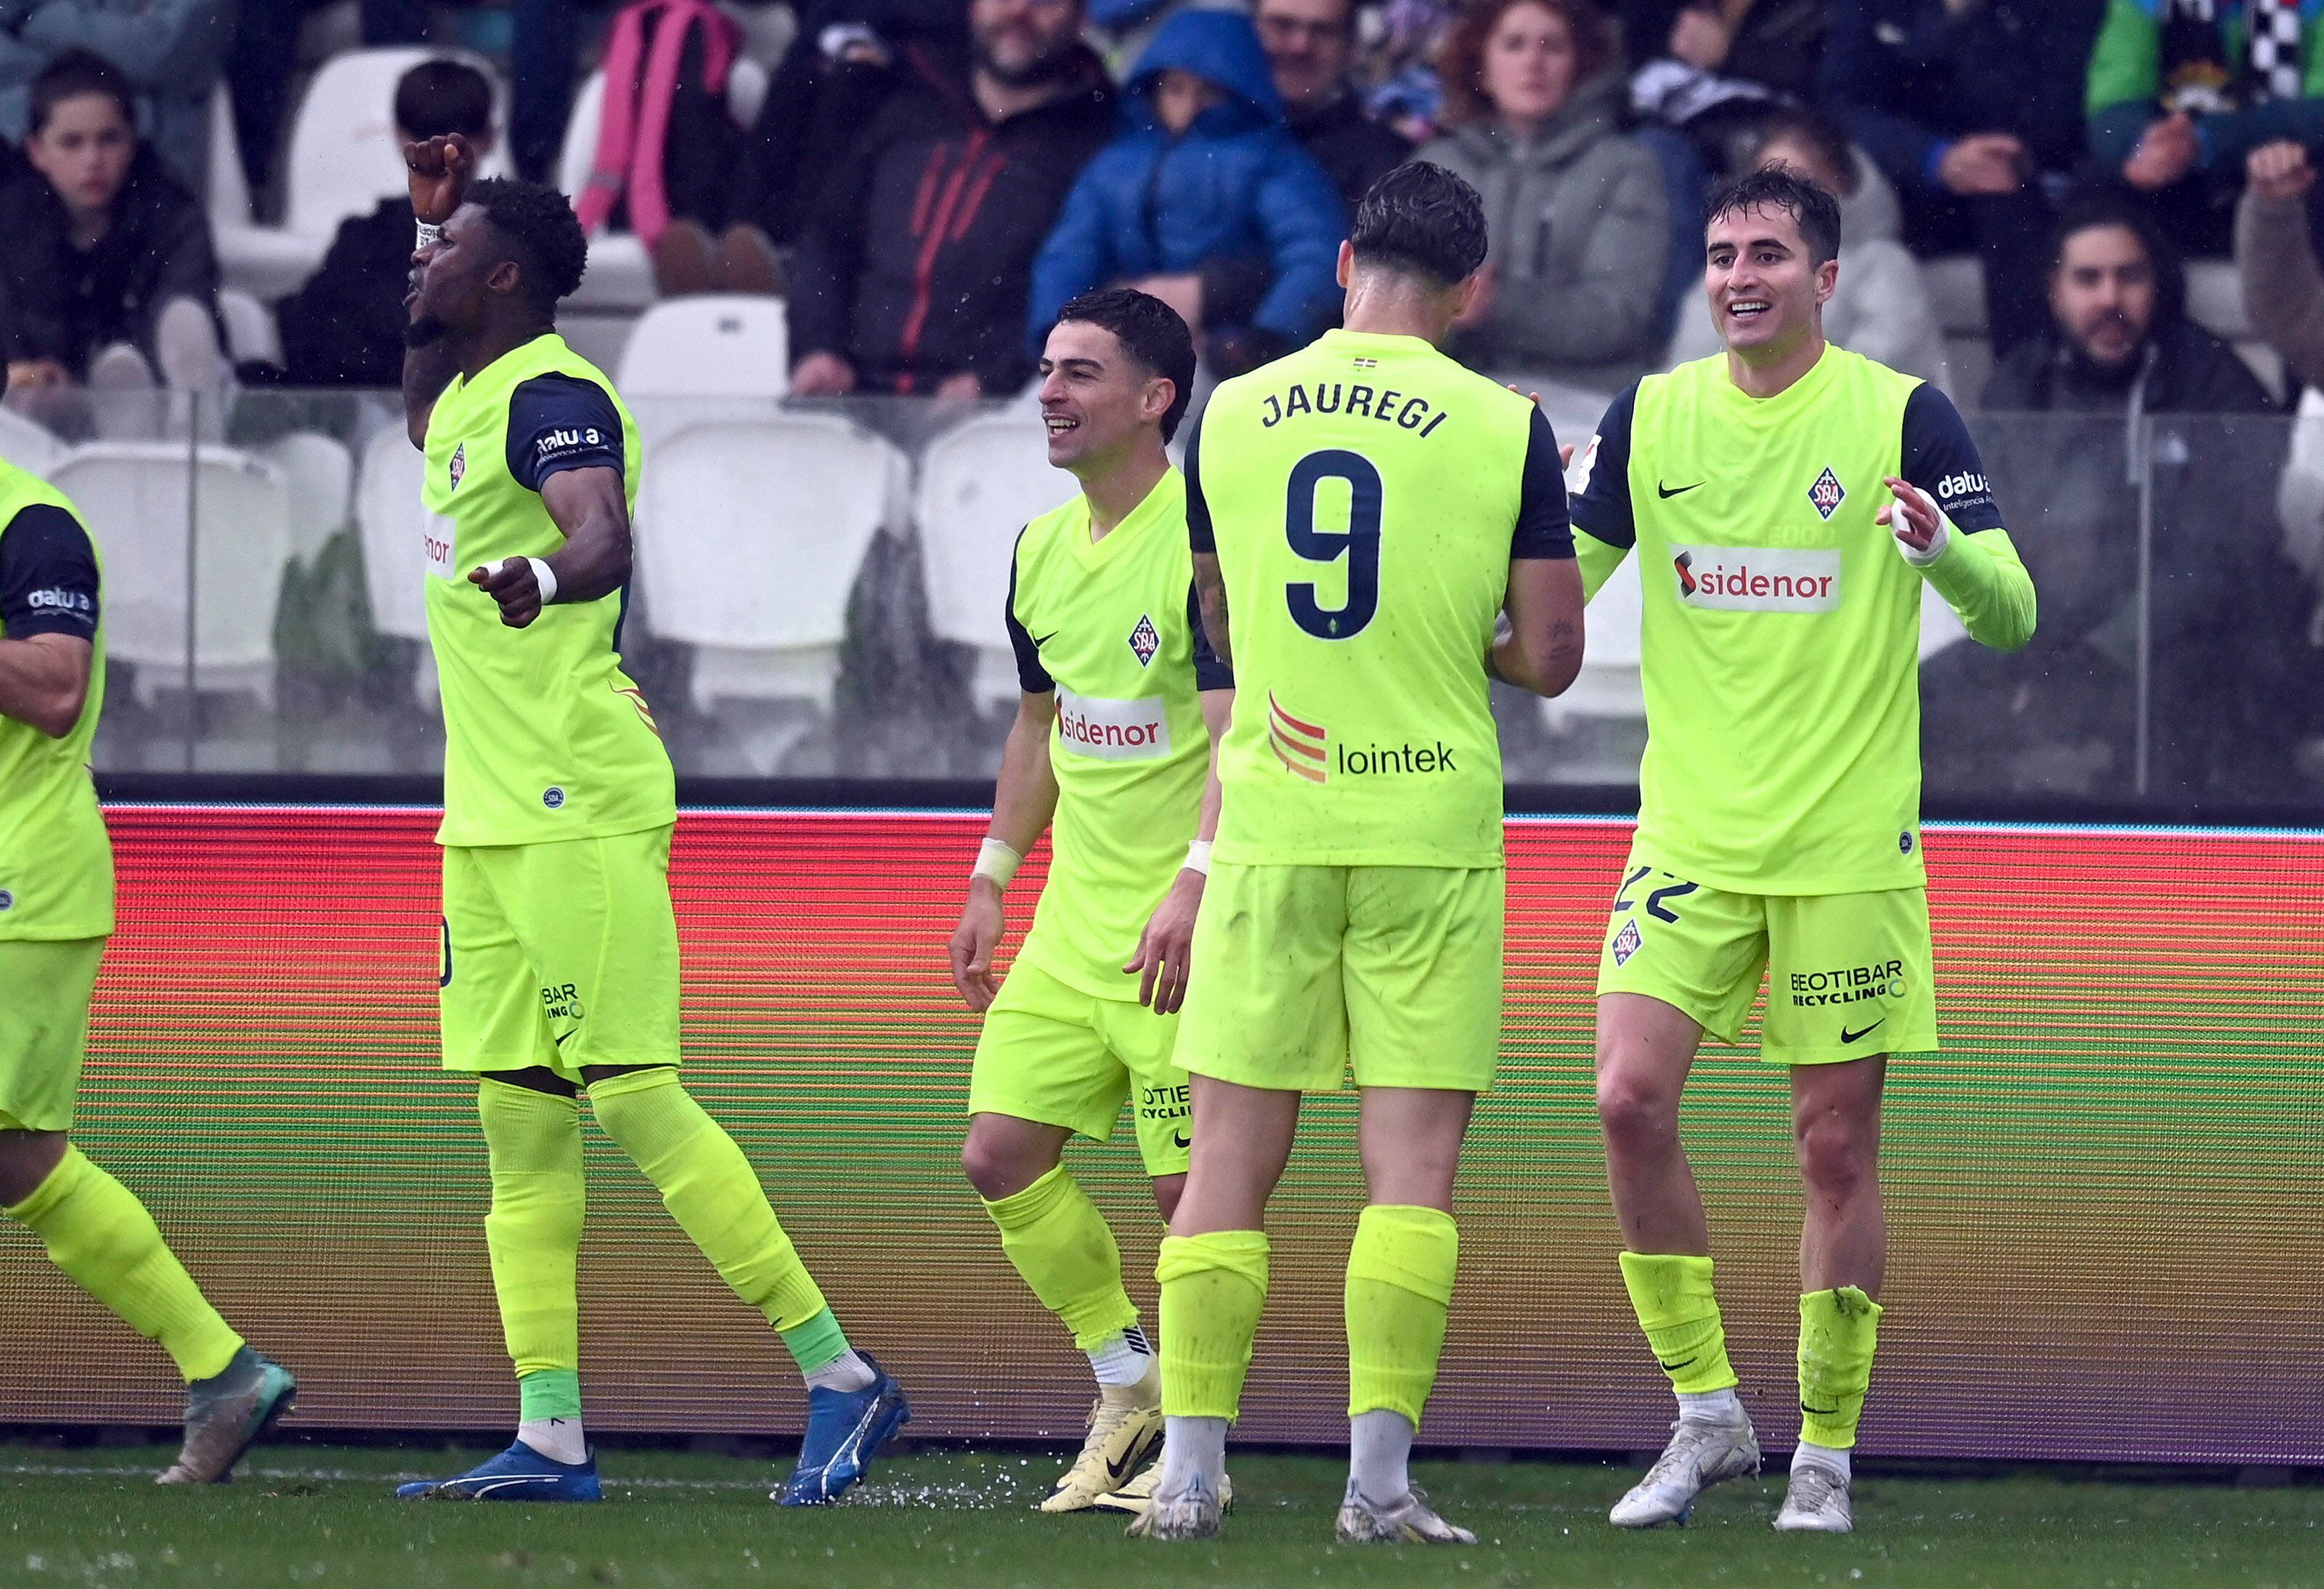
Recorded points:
(559, 422)
(1941, 459)
(1210, 673)
(1544, 527)
(1199, 534)
(1604, 509)
(48, 576)
(1031, 677)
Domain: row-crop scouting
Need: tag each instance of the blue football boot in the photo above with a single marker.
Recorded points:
(518, 1473)
(845, 1431)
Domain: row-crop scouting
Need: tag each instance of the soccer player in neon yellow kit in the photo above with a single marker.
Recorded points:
(1779, 822)
(1369, 509)
(560, 968)
(1110, 753)
(56, 911)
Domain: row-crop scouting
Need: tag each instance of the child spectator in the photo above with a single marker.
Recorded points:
(105, 263)
(1573, 280)
(1206, 202)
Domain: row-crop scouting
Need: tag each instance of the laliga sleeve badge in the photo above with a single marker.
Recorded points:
(1626, 943)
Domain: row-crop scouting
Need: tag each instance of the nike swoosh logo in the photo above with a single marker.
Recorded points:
(1118, 1468)
(1667, 491)
(1039, 640)
(1674, 1367)
(1180, 1139)
(1847, 1037)
(560, 1041)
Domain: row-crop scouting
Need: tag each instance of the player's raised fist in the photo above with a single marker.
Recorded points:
(513, 586)
(438, 170)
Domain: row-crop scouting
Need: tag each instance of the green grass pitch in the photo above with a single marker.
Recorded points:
(310, 1514)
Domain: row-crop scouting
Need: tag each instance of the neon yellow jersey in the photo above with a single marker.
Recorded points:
(1365, 497)
(1781, 638)
(545, 738)
(1110, 626)
(56, 861)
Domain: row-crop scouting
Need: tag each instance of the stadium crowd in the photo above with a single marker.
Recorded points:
(924, 182)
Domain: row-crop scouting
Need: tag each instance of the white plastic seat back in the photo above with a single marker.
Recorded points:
(134, 496)
(343, 158)
(29, 444)
(750, 536)
(980, 482)
(714, 344)
(321, 475)
(391, 521)
(250, 333)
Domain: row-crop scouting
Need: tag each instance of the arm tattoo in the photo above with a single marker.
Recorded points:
(1213, 592)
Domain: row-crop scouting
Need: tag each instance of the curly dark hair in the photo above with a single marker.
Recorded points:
(1423, 219)
(543, 234)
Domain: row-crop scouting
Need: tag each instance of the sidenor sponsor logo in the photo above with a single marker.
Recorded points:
(1757, 579)
(1113, 731)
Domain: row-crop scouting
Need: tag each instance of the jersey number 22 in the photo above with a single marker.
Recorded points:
(1360, 543)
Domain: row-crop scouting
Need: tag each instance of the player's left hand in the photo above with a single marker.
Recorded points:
(1163, 946)
(513, 586)
(1913, 515)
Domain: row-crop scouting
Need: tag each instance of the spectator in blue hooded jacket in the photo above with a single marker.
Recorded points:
(1205, 200)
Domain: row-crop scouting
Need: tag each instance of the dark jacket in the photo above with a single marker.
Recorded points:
(344, 327)
(915, 263)
(57, 302)
(1235, 187)
(1778, 44)
(1907, 76)
(1354, 150)
(2068, 447)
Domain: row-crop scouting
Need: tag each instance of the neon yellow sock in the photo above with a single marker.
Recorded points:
(533, 1233)
(98, 1232)
(1837, 1332)
(1680, 1314)
(1213, 1289)
(1062, 1245)
(710, 1189)
(1400, 1271)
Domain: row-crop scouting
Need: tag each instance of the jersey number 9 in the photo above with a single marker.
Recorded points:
(1360, 543)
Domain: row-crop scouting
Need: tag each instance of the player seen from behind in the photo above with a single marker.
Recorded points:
(56, 912)
(1361, 512)
(560, 971)
(1110, 753)
(1779, 823)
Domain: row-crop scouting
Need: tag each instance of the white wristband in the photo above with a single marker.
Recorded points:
(1198, 856)
(996, 861)
(546, 577)
(427, 235)
(1936, 548)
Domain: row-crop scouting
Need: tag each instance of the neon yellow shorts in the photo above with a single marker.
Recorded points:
(1052, 1053)
(1302, 974)
(1851, 975)
(45, 1028)
(559, 955)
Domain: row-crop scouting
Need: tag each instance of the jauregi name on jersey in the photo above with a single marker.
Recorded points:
(546, 738)
(1110, 627)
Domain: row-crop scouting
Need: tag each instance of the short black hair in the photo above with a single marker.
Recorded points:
(73, 73)
(1151, 332)
(2092, 208)
(1779, 186)
(543, 233)
(1422, 219)
(443, 96)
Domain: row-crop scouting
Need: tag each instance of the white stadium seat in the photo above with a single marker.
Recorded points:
(389, 521)
(713, 345)
(980, 482)
(250, 329)
(28, 444)
(134, 496)
(343, 158)
(620, 275)
(321, 475)
(750, 536)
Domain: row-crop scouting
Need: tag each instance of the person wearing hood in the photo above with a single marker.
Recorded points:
(911, 272)
(2170, 413)
(1204, 201)
(1579, 227)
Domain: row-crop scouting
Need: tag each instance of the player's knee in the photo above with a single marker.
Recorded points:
(997, 1166)
(1837, 1156)
(1633, 1113)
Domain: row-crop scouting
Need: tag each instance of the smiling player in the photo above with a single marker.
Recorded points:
(1779, 821)
(1122, 697)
